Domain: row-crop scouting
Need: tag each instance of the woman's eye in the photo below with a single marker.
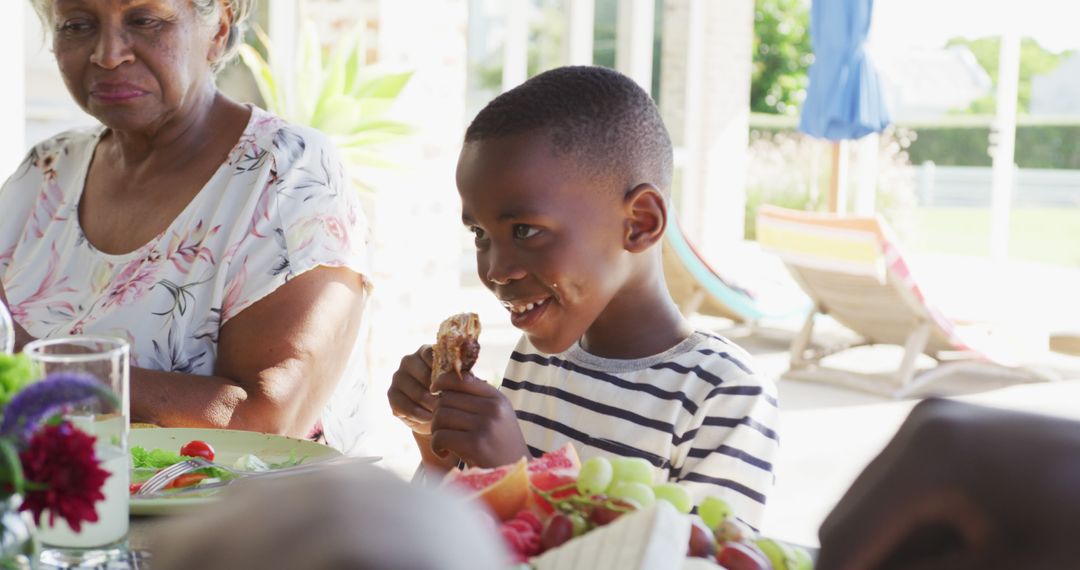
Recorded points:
(523, 231)
(73, 26)
(144, 22)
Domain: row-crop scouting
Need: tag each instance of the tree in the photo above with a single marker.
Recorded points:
(1034, 60)
(782, 56)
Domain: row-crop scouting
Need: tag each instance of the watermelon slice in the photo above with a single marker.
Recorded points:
(556, 473)
(504, 489)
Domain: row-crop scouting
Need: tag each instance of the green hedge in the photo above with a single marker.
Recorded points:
(1037, 146)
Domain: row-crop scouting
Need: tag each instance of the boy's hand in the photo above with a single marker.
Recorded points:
(476, 422)
(410, 397)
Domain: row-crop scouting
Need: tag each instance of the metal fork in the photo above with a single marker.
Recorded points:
(165, 476)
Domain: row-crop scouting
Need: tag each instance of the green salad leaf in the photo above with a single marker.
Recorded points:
(141, 458)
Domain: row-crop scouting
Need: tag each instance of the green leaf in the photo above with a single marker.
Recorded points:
(264, 78)
(154, 458)
(11, 466)
(384, 87)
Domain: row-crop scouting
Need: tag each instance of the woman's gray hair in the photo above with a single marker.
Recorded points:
(209, 10)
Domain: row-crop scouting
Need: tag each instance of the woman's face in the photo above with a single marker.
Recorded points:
(135, 64)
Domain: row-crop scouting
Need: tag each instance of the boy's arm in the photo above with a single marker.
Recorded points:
(732, 450)
(475, 421)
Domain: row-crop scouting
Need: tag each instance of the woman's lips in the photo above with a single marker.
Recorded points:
(116, 93)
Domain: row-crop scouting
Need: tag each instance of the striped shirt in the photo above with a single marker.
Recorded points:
(696, 412)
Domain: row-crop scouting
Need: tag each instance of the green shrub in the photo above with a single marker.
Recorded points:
(1037, 146)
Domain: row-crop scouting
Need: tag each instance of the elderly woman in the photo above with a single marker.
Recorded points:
(223, 243)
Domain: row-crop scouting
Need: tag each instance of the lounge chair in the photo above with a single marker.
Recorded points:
(853, 270)
(699, 289)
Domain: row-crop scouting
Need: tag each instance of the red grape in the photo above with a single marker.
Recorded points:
(702, 543)
(557, 531)
(740, 556)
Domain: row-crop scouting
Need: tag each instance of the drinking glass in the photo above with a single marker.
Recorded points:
(7, 331)
(106, 359)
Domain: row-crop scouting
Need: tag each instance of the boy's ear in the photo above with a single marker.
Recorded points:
(646, 217)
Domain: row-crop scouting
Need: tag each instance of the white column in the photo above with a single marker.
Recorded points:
(13, 95)
(1005, 144)
(516, 49)
(706, 104)
(283, 27)
(580, 20)
(634, 40)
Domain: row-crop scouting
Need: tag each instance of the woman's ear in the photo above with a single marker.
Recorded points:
(646, 217)
(219, 42)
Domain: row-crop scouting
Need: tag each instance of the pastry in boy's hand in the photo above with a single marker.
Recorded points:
(457, 345)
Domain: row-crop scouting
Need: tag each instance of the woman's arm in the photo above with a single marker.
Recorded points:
(277, 363)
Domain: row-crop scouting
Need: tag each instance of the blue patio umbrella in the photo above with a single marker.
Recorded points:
(844, 99)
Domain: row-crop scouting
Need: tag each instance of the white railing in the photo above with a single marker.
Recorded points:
(970, 186)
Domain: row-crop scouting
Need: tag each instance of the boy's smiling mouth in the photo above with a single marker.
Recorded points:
(524, 313)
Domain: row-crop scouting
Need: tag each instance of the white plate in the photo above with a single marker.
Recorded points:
(228, 446)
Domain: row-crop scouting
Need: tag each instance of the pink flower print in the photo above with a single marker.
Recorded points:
(262, 208)
(231, 304)
(186, 249)
(46, 209)
(133, 281)
(336, 230)
(50, 292)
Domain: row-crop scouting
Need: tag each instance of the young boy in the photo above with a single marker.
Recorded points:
(565, 182)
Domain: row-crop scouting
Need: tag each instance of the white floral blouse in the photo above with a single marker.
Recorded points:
(279, 206)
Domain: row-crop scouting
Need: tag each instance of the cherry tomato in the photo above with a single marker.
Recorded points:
(186, 480)
(198, 448)
(134, 488)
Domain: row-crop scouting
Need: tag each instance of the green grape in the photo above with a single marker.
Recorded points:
(674, 494)
(594, 477)
(713, 511)
(580, 525)
(632, 470)
(639, 493)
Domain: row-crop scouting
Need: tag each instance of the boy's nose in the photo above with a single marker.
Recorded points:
(500, 270)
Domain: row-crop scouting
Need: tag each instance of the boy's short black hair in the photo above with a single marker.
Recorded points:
(602, 119)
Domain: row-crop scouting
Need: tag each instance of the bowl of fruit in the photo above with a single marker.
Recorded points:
(556, 512)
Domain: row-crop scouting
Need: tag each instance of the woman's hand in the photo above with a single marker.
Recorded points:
(476, 422)
(963, 486)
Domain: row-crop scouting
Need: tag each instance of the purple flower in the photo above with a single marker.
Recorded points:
(42, 400)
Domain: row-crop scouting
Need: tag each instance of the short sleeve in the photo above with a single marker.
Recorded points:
(306, 216)
(17, 196)
(732, 449)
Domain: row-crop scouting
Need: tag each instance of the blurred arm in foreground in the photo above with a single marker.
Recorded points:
(963, 486)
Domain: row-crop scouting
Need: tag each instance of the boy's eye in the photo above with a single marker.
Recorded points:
(524, 231)
(477, 232)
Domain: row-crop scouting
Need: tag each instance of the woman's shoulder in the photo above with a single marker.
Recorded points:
(69, 140)
(53, 154)
(290, 145)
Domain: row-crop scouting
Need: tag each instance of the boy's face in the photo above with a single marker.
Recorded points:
(549, 243)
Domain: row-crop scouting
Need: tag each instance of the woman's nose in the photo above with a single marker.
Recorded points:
(113, 48)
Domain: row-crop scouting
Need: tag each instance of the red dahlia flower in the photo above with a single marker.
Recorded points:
(63, 475)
